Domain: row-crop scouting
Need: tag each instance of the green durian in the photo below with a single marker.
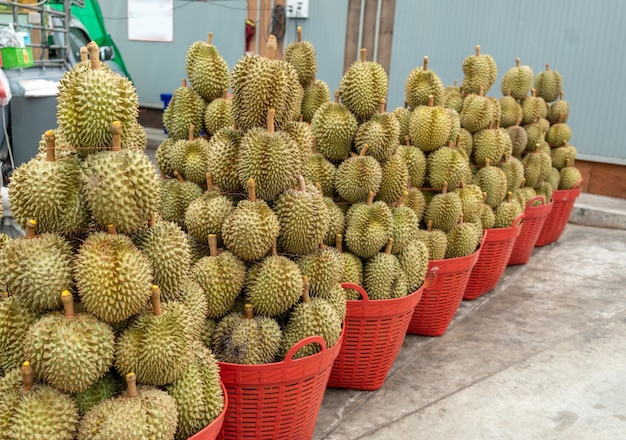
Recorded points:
(301, 55)
(415, 160)
(558, 134)
(535, 134)
(414, 262)
(447, 165)
(533, 108)
(403, 115)
(480, 71)
(511, 112)
(319, 170)
(323, 269)
(429, 127)
(337, 224)
(185, 109)
(369, 226)
(491, 180)
(514, 170)
(463, 239)
(162, 157)
(218, 114)
(453, 98)
(380, 133)
(435, 240)
(507, 212)
(517, 81)
(519, 140)
(105, 388)
(562, 154)
(405, 224)
(176, 196)
(316, 94)
(394, 180)
(548, 84)
(471, 198)
(420, 84)
(416, 201)
(190, 157)
(357, 176)
(223, 151)
(352, 269)
(206, 69)
(545, 189)
(465, 142)
(558, 110)
(444, 210)
(569, 176)
(478, 112)
(334, 128)
(302, 134)
(486, 215)
(15, 319)
(381, 273)
(537, 166)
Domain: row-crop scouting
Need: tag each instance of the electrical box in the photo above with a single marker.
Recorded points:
(297, 8)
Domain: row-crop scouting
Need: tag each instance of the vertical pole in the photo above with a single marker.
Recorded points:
(361, 19)
(377, 32)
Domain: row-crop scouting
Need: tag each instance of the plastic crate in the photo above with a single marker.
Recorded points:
(534, 218)
(563, 200)
(280, 400)
(493, 259)
(444, 287)
(374, 333)
(212, 430)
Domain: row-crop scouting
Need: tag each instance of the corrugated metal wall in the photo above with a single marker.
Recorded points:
(583, 40)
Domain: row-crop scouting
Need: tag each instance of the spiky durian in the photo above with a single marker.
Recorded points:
(477, 112)
(301, 55)
(444, 209)
(405, 224)
(533, 108)
(185, 109)
(381, 274)
(448, 165)
(491, 180)
(537, 166)
(514, 170)
(511, 112)
(315, 96)
(222, 154)
(176, 196)
(548, 84)
(516, 81)
(463, 239)
(162, 157)
(319, 170)
(380, 133)
(218, 114)
(352, 269)
(562, 154)
(507, 212)
(190, 158)
(357, 176)
(323, 268)
(570, 176)
(302, 134)
(420, 84)
(193, 298)
(368, 227)
(558, 110)
(471, 198)
(416, 201)
(519, 140)
(558, 134)
(15, 319)
(486, 215)
(545, 189)
(480, 71)
(393, 183)
(334, 127)
(403, 115)
(429, 127)
(206, 69)
(453, 98)
(435, 240)
(105, 388)
(415, 160)
(414, 262)
(488, 143)
(362, 87)
(535, 134)
(206, 214)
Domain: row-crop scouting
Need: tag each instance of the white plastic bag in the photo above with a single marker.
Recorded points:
(5, 89)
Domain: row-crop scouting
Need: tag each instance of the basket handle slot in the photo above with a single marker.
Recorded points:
(534, 199)
(316, 339)
(518, 220)
(358, 288)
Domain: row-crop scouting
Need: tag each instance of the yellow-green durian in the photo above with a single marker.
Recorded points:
(533, 108)
(548, 84)
(105, 388)
(488, 143)
(453, 98)
(394, 180)
(558, 111)
(206, 214)
(316, 94)
(352, 269)
(537, 165)
(519, 140)
(206, 69)
(558, 134)
(507, 211)
(416, 201)
(218, 114)
(420, 84)
(337, 224)
(222, 154)
(414, 262)
(429, 127)
(302, 134)
(368, 227)
(511, 112)
(517, 81)
(190, 158)
(514, 170)
(480, 71)
(323, 268)
(405, 224)
(570, 176)
(562, 154)
(357, 176)
(471, 199)
(319, 170)
(415, 160)
(403, 115)
(435, 240)
(334, 127)
(381, 273)
(444, 210)
(491, 180)
(380, 133)
(478, 112)
(15, 319)
(463, 239)
(185, 109)
(447, 165)
(301, 55)
(176, 196)
(162, 157)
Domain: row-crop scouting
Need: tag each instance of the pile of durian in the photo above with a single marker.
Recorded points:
(100, 319)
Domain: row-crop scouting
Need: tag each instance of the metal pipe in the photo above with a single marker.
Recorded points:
(258, 26)
(361, 19)
(377, 31)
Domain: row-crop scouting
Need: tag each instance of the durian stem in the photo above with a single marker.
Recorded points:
(561, 95)
(301, 184)
(336, 96)
(156, 300)
(533, 92)
(319, 188)
(68, 304)
(131, 385)
(509, 196)
(50, 139)
(389, 246)
(299, 32)
(478, 50)
(270, 47)
(94, 55)
(111, 230)
(444, 189)
(27, 376)
(235, 126)
(152, 220)
(363, 54)
(178, 176)
(271, 113)
(192, 128)
(209, 38)
(305, 289)
(482, 91)
(547, 67)
(457, 144)
(84, 53)
(339, 243)
(247, 311)
(322, 246)
(183, 82)
(521, 184)
(225, 94)
(209, 182)
(274, 250)
(425, 63)
(431, 100)
(31, 228)
(488, 161)
(116, 132)
(402, 198)
(364, 150)
(429, 226)
(407, 140)
(213, 245)
(381, 106)
(252, 190)
(314, 145)
(370, 198)
(517, 61)
(561, 118)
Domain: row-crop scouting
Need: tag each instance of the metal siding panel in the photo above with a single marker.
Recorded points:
(581, 39)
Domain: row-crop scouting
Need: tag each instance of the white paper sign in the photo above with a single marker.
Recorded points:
(151, 20)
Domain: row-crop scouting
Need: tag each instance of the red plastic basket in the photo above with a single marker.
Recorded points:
(493, 258)
(556, 221)
(280, 400)
(374, 333)
(534, 218)
(212, 430)
(444, 287)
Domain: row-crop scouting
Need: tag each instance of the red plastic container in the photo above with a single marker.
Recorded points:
(374, 333)
(493, 258)
(556, 221)
(280, 400)
(212, 430)
(534, 219)
(444, 287)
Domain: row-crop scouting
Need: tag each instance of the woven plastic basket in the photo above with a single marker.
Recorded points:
(374, 333)
(444, 287)
(563, 200)
(493, 258)
(212, 430)
(534, 218)
(280, 400)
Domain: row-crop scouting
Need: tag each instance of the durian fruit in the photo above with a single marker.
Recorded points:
(420, 84)
(36, 268)
(558, 110)
(140, 413)
(405, 224)
(316, 94)
(548, 84)
(545, 189)
(362, 87)
(249, 231)
(429, 127)
(334, 126)
(380, 132)
(336, 297)
(90, 100)
(166, 246)
(403, 115)
(311, 317)
(162, 157)
(465, 142)
(523, 194)
(480, 71)
(176, 196)
(218, 114)
(337, 223)
(511, 112)
(31, 410)
(416, 201)
(302, 134)
(206, 214)
(323, 269)
(271, 158)
(48, 190)
(112, 275)
(393, 183)
(486, 214)
(558, 134)
(514, 171)
(157, 345)
(537, 166)
(357, 176)
(560, 155)
(517, 81)
(303, 218)
(273, 285)
(206, 69)
(135, 137)
(198, 393)
(383, 277)
(352, 269)
(415, 160)
(369, 226)
(435, 240)
(301, 55)
(69, 351)
(105, 388)
(570, 176)
(262, 83)
(197, 249)
(444, 209)
(507, 212)
(193, 298)
(453, 98)
(190, 157)
(414, 262)
(221, 276)
(185, 109)
(242, 338)
(519, 140)
(471, 199)
(448, 165)
(206, 334)
(120, 187)
(535, 134)
(15, 319)
(491, 180)
(533, 108)
(319, 170)
(477, 112)
(463, 239)
(222, 154)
